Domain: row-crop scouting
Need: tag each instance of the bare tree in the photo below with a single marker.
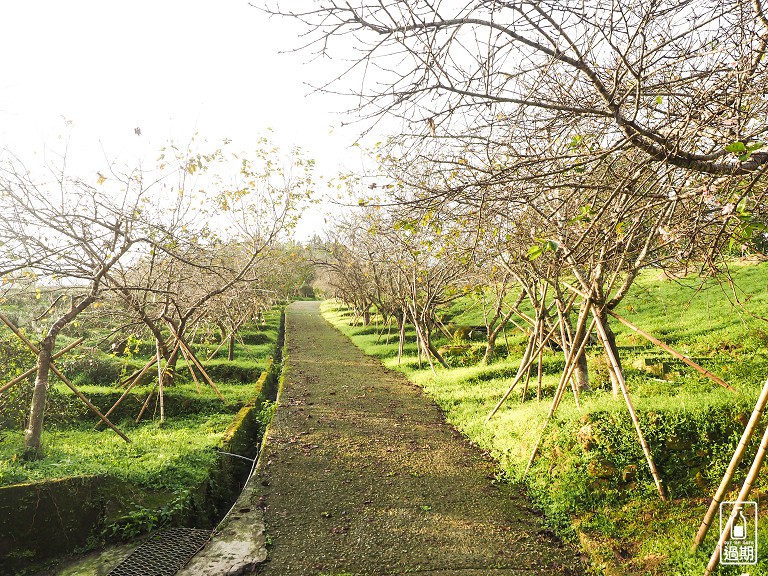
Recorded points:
(681, 82)
(77, 234)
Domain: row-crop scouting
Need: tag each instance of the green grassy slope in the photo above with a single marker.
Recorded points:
(591, 478)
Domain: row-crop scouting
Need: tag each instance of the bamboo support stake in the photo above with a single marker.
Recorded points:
(532, 342)
(138, 373)
(196, 362)
(205, 375)
(527, 380)
(133, 383)
(160, 382)
(570, 359)
(232, 333)
(522, 329)
(422, 342)
(64, 379)
(118, 402)
(192, 371)
(539, 374)
(746, 436)
(754, 470)
(146, 403)
(89, 404)
(662, 345)
(552, 408)
(623, 387)
(672, 351)
(520, 373)
(31, 371)
(418, 350)
(567, 374)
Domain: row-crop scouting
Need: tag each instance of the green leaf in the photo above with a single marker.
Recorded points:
(576, 141)
(736, 147)
(534, 252)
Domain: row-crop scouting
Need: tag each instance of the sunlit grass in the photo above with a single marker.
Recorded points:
(700, 321)
(176, 455)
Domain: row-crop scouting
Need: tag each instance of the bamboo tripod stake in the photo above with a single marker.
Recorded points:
(567, 373)
(31, 371)
(571, 359)
(228, 336)
(146, 403)
(192, 371)
(133, 382)
(64, 379)
(196, 362)
(746, 436)
(160, 381)
(633, 415)
(743, 495)
(675, 353)
(521, 371)
(138, 373)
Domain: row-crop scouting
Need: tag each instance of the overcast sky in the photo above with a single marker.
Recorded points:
(171, 68)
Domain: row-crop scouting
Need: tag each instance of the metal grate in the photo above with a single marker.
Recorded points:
(163, 554)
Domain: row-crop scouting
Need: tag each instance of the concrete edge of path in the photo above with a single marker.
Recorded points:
(238, 544)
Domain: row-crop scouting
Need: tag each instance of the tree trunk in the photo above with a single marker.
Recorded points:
(33, 443)
(582, 373)
(172, 356)
(401, 332)
(610, 343)
(231, 348)
(169, 375)
(430, 348)
(582, 370)
(490, 348)
(34, 433)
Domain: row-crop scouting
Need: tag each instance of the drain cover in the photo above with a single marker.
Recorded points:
(163, 554)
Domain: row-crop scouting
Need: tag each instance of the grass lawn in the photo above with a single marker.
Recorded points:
(174, 455)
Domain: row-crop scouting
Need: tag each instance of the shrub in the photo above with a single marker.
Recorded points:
(597, 459)
(223, 370)
(92, 366)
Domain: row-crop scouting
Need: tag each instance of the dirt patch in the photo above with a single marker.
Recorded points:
(360, 474)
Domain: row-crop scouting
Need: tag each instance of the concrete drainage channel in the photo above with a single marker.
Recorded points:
(164, 554)
(237, 541)
(236, 545)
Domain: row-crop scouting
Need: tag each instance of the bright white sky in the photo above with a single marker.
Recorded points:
(172, 68)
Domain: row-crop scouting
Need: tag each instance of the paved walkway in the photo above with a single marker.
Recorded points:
(360, 474)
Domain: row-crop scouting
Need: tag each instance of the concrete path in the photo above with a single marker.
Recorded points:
(360, 474)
